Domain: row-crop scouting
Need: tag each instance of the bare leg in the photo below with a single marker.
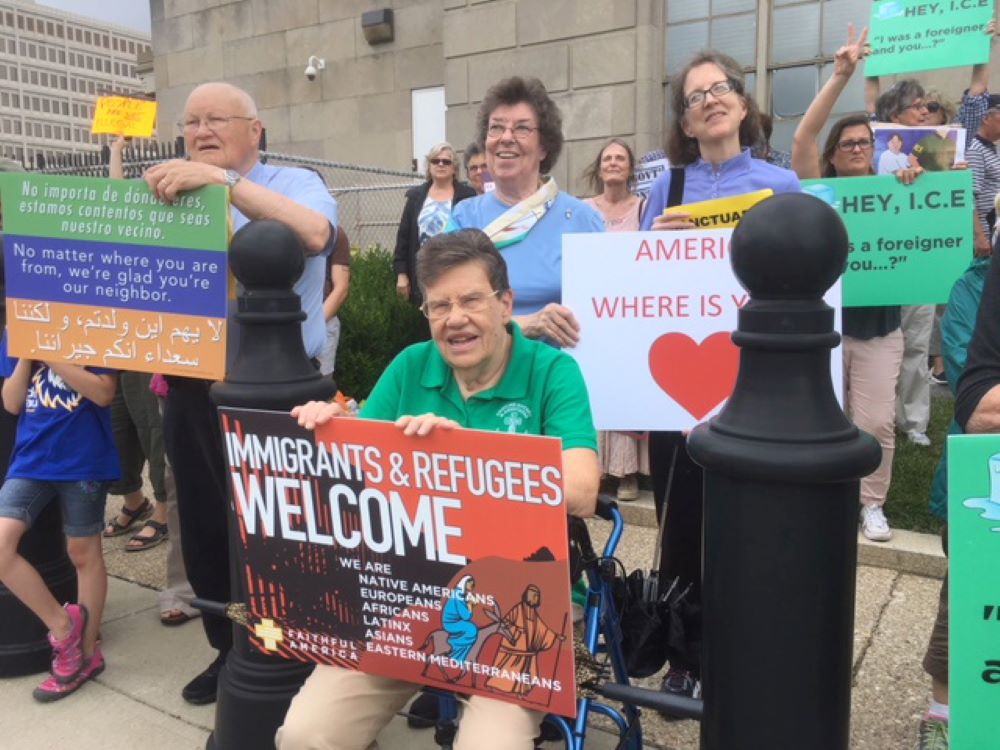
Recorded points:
(88, 558)
(18, 575)
(939, 691)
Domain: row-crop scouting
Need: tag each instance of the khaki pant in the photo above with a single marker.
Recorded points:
(871, 368)
(913, 399)
(340, 709)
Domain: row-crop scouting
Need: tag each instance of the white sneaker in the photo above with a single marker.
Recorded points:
(873, 524)
(919, 438)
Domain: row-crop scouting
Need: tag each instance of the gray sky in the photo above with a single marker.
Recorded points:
(131, 13)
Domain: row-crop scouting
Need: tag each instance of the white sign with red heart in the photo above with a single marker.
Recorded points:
(656, 310)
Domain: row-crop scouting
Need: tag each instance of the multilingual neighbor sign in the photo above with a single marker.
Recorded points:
(907, 36)
(656, 310)
(909, 243)
(440, 560)
(974, 594)
(99, 272)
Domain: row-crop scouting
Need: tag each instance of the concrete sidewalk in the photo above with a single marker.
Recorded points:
(136, 702)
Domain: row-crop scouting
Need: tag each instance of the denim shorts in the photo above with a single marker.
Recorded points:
(82, 503)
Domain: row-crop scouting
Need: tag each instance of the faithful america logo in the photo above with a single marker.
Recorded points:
(514, 415)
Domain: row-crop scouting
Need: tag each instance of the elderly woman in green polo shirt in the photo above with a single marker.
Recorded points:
(478, 371)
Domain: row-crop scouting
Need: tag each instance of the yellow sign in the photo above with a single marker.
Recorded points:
(119, 115)
(270, 633)
(721, 212)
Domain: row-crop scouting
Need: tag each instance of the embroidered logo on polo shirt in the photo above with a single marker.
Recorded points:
(514, 415)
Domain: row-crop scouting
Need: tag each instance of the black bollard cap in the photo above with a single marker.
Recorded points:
(791, 246)
(266, 254)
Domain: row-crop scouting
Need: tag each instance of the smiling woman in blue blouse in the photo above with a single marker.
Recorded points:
(715, 124)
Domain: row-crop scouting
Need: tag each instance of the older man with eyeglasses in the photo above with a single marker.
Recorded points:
(222, 135)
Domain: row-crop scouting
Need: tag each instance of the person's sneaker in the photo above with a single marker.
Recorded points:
(203, 688)
(628, 488)
(67, 653)
(873, 524)
(939, 378)
(918, 438)
(680, 682)
(933, 734)
(53, 689)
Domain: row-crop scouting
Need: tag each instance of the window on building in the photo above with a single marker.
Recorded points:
(48, 131)
(30, 23)
(33, 77)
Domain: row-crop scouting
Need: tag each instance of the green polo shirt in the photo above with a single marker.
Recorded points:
(541, 393)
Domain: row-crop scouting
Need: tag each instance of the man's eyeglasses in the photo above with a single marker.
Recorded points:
(442, 162)
(470, 303)
(477, 167)
(520, 132)
(215, 124)
(718, 90)
(862, 144)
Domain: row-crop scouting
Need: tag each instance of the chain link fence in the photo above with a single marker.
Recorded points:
(369, 199)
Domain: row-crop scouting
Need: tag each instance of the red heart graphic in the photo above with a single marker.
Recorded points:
(699, 377)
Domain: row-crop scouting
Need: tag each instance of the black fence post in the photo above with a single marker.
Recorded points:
(782, 464)
(270, 371)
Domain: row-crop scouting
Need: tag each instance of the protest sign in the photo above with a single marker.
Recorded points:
(646, 173)
(121, 115)
(440, 560)
(935, 149)
(721, 212)
(907, 36)
(974, 598)
(656, 310)
(908, 243)
(99, 272)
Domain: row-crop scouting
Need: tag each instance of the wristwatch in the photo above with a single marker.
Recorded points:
(232, 177)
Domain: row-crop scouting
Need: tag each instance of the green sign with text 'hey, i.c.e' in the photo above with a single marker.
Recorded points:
(908, 243)
(907, 36)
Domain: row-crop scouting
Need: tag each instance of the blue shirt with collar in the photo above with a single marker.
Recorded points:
(305, 188)
(702, 182)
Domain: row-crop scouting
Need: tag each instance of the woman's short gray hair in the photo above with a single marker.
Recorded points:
(435, 151)
(443, 252)
(891, 104)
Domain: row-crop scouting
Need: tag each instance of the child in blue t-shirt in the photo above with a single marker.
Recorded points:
(64, 451)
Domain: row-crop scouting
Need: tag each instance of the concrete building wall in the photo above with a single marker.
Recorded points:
(358, 108)
(605, 63)
(599, 60)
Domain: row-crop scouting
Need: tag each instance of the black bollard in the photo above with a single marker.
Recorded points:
(782, 464)
(270, 370)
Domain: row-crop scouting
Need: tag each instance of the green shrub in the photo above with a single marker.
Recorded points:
(375, 323)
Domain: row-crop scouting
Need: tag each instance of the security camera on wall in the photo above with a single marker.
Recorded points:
(314, 66)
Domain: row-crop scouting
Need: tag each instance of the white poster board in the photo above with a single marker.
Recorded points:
(656, 310)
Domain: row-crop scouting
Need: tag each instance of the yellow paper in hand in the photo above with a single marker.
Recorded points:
(120, 115)
(720, 212)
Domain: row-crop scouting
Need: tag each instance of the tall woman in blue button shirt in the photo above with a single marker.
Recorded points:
(715, 124)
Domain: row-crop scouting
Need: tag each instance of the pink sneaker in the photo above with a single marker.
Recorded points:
(67, 654)
(52, 689)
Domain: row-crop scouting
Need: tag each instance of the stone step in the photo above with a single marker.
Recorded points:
(907, 551)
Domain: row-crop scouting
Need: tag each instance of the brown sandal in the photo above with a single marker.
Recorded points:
(144, 543)
(141, 513)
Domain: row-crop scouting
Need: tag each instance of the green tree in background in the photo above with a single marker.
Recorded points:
(375, 323)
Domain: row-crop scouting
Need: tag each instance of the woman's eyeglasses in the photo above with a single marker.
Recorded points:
(718, 90)
(442, 162)
(862, 144)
